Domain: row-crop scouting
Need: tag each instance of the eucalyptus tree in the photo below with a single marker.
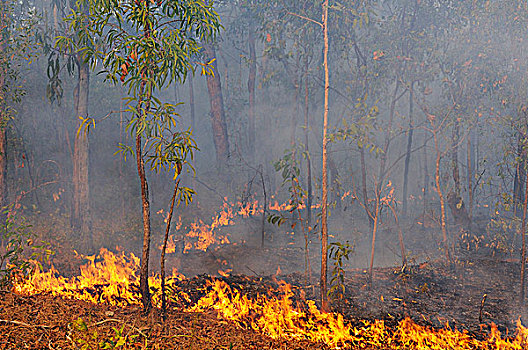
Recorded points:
(80, 211)
(17, 47)
(147, 45)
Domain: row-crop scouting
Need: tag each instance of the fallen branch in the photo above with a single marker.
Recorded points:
(23, 324)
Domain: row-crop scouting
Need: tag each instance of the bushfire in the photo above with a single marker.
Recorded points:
(111, 278)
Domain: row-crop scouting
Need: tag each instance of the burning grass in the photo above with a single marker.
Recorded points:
(280, 313)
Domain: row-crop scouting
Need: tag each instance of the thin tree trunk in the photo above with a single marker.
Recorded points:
(165, 239)
(364, 187)
(216, 101)
(80, 210)
(383, 158)
(441, 195)
(425, 190)
(191, 102)
(295, 111)
(454, 199)
(263, 219)
(324, 214)
(144, 104)
(454, 156)
(3, 107)
(373, 242)
(251, 90)
(143, 283)
(408, 154)
(523, 250)
(470, 176)
(400, 237)
(307, 150)
(520, 174)
(121, 172)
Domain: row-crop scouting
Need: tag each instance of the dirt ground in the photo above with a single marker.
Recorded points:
(472, 293)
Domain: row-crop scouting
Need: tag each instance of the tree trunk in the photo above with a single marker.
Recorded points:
(324, 214)
(145, 205)
(216, 101)
(364, 187)
(520, 174)
(408, 154)
(470, 172)
(523, 250)
(3, 109)
(441, 195)
(383, 158)
(425, 180)
(191, 102)
(144, 104)
(373, 242)
(164, 248)
(251, 90)
(454, 199)
(3, 162)
(80, 209)
(307, 150)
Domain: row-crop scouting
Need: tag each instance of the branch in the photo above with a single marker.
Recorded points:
(306, 18)
(23, 324)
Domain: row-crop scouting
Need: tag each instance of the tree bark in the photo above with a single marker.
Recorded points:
(145, 205)
(454, 199)
(216, 101)
(440, 194)
(143, 107)
(520, 173)
(425, 180)
(191, 102)
(251, 90)
(80, 209)
(307, 150)
(386, 144)
(523, 250)
(364, 187)
(470, 172)
(164, 248)
(408, 154)
(373, 242)
(324, 214)
(3, 109)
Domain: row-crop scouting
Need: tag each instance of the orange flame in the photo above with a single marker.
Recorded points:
(108, 278)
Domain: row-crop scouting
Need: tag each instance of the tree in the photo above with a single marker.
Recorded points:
(216, 100)
(15, 43)
(4, 68)
(324, 205)
(147, 45)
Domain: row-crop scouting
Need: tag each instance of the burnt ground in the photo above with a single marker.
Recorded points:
(430, 293)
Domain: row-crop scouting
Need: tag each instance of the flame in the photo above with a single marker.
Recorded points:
(111, 278)
(107, 277)
(278, 317)
(202, 235)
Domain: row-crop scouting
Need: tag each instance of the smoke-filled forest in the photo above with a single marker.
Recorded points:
(263, 174)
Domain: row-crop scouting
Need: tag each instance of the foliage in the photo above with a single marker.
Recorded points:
(18, 249)
(18, 48)
(290, 172)
(91, 339)
(338, 252)
(145, 45)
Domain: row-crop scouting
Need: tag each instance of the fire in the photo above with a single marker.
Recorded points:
(201, 236)
(279, 317)
(107, 277)
(111, 279)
